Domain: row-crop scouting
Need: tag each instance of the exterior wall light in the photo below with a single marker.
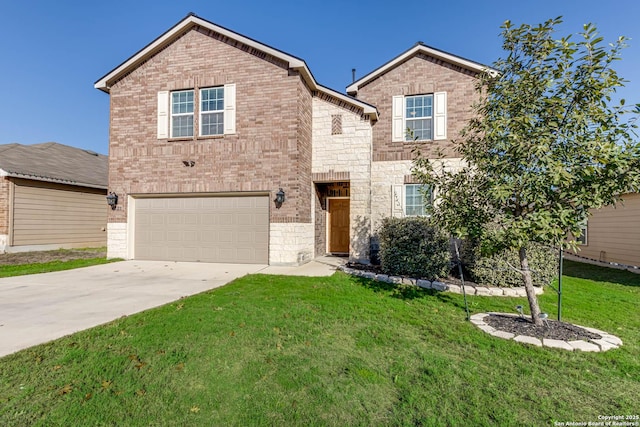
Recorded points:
(279, 198)
(112, 200)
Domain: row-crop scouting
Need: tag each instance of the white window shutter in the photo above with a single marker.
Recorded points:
(397, 201)
(397, 117)
(163, 114)
(440, 115)
(229, 109)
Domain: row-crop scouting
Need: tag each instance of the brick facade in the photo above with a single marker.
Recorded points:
(420, 74)
(271, 147)
(290, 133)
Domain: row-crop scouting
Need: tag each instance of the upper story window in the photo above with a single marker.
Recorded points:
(181, 113)
(212, 111)
(215, 112)
(416, 196)
(419, 117)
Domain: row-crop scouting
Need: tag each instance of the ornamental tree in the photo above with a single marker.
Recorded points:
(549, 141)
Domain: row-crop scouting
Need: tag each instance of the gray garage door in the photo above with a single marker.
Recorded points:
(207, 229)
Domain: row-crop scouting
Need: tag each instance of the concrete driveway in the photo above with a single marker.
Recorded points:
(38, 308)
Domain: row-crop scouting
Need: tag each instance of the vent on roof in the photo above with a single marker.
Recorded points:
(93, 153)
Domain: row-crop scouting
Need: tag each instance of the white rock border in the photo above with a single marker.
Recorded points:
(441, 286)
(607, 342)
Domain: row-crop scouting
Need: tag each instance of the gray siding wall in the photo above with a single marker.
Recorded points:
(45, 214)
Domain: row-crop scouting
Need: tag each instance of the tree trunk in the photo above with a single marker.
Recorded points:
(528, 285)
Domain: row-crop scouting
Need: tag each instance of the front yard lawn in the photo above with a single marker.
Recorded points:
(278, 350)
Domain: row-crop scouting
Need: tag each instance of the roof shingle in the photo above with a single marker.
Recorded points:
(54, 162)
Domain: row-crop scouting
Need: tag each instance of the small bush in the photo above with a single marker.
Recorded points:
(413, 247)
(500, 269)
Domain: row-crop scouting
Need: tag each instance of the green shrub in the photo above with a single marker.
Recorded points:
(500, 269)
(413, 247)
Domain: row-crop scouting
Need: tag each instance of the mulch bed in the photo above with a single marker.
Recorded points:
(551, 330)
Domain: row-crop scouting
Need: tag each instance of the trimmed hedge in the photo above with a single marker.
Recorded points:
(499, 269)
(413, 247)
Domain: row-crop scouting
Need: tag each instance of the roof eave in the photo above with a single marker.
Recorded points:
(192, 20)
(353, 88)
(369, 110)
(9, 174)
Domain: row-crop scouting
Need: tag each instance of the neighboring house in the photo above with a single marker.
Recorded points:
(612, 233)
(207, 126)
(51, 196)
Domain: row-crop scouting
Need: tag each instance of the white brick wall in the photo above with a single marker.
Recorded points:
(117, 240)
(290, 243)
(349, 151)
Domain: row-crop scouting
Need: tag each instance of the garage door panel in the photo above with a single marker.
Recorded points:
(208, 229)
(158, 219)
(261, 239)
(208, 219)
(190, 236)
(225, 237)
(174, 219)
(245, 219)
(245, 237)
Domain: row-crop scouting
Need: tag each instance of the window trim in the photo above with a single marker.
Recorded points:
(164, 116)
(438, 117)
(172, 114)
(418, 188)
(201, 112)
(415, 119)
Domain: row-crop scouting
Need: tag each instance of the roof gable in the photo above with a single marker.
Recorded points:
(419, 47)
(191, 21)
(54, 162)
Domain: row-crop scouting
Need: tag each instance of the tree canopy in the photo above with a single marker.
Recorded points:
(548, 141)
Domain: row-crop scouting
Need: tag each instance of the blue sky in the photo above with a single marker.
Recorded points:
(52, 52)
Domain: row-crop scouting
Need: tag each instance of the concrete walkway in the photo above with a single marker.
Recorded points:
(41, 307)
(321, 266)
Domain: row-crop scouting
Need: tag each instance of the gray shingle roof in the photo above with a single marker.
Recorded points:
(55, 162)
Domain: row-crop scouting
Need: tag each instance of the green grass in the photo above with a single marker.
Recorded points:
(275, 350)
(46, 267)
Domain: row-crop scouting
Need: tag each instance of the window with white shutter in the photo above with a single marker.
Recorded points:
(215, 110)
(163, 115)
(229, 109)
(419, 117)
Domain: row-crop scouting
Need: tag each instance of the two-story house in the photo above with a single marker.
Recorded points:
(224, 149)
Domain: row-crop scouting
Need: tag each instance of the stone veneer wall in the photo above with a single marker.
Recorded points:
(290, 243)
(117, 240)
(347, 151)
(384, 175)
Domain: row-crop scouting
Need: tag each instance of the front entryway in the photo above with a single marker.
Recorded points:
(338, 226)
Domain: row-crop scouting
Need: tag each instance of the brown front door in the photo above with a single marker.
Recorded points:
(339, 225)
